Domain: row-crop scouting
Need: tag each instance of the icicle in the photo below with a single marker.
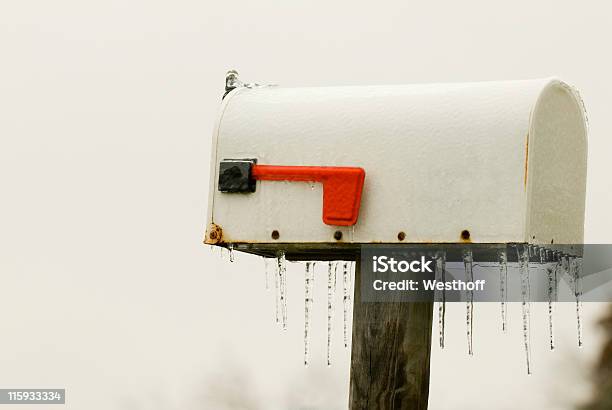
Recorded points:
(565, 265)
(441, 277)
(282, 276)
(277, 288)
(523, 260)
(331, 290)
(267, 272)
(346, 287)
(308, 300)
(576, 273)
(503, 286)
(280, 280)
(231, 252)
(551, 271)
(469, 274)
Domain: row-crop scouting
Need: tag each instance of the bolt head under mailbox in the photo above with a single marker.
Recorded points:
(504, 161)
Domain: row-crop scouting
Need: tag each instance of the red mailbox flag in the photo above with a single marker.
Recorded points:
(342, 187)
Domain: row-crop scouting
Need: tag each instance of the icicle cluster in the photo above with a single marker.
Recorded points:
(552, 264)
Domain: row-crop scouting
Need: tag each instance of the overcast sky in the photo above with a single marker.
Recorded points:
(106, 112)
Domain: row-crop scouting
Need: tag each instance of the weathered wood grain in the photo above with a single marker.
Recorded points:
(390, 354)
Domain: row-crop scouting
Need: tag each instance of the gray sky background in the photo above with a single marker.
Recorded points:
(106, 112)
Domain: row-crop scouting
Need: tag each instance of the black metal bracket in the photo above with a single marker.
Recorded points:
(235, 175)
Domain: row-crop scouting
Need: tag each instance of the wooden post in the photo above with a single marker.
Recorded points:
(390, 355)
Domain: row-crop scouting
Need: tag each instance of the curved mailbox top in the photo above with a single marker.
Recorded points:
(504, 161)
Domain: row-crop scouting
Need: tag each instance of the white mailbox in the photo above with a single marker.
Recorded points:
(309, 168)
